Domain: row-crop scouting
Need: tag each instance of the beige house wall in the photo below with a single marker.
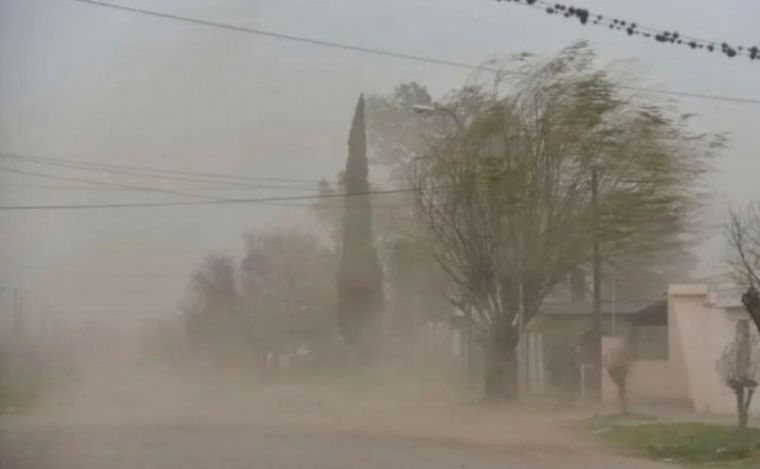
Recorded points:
(700, 326)
(647, 381)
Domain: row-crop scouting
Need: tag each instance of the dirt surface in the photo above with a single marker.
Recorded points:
(254, 447)
(295, 428)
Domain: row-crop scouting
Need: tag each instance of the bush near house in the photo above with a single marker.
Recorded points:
(694, 444)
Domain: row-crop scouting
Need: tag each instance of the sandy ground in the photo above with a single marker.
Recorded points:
(291, 427)
(212, 446)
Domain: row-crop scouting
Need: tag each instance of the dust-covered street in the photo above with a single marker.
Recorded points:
(248, 446)
(186, 426)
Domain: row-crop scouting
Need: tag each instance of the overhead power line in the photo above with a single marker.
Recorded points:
(380, 52)
(166, 174)
(289, 37)
(118, 189)
(175, 175)
(105, 183)
(110, 185)
(131, 187)
(632, 28)
(203, 202)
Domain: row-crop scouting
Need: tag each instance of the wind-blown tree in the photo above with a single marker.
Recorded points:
(506, 199)
(359, 279)
(743, 236)
(397, 136)
(633, 277)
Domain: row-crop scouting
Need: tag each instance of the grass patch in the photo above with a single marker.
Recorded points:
(17, 392)
(603, 422)
(686, 443)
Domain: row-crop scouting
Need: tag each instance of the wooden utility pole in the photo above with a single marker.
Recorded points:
(597, 274)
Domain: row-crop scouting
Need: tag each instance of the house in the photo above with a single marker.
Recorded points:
(557, 342)
(701, 321)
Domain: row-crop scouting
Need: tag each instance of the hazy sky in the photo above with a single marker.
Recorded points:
(84, 82)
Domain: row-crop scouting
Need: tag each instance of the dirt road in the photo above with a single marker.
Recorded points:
(293, 428)
(184, 447)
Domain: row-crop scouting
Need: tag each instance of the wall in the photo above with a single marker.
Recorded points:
(687, 317)
(647, 381)
(698, 332)
(703, 330)
(660, 385)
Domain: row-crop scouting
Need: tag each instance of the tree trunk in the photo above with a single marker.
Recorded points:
(741, 407)
(501, 374)
(500, 346)
(494, 375)
(623, 399)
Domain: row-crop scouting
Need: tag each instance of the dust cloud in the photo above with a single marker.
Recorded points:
(114, 383)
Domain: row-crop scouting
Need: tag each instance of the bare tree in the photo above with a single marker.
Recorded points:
(617, 364)
(739, 365)
(743, 236)
(506, 199)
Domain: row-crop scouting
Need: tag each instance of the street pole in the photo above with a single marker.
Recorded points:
(614, 308)
(522, 354)
(15, 311)
(597, 274)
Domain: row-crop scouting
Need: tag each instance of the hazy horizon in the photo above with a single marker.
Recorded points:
(94, 84)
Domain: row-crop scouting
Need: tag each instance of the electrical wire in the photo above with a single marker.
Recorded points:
(117, 189)
(172, 175)
(104, 183)
(634, 29)
(162, 174)
(132, 187)
(111, 185)
(205, 202)
(381, 52)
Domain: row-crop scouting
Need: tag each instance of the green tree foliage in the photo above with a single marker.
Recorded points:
(359, 279)
(506, 199)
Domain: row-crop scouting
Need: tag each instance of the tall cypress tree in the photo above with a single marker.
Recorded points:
(359, 279)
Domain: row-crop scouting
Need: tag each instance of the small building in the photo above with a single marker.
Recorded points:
(700, 321)
(558, 342)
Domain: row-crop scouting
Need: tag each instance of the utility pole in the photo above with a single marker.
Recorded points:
(597, 274)
(522, 355)
(18, 314)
